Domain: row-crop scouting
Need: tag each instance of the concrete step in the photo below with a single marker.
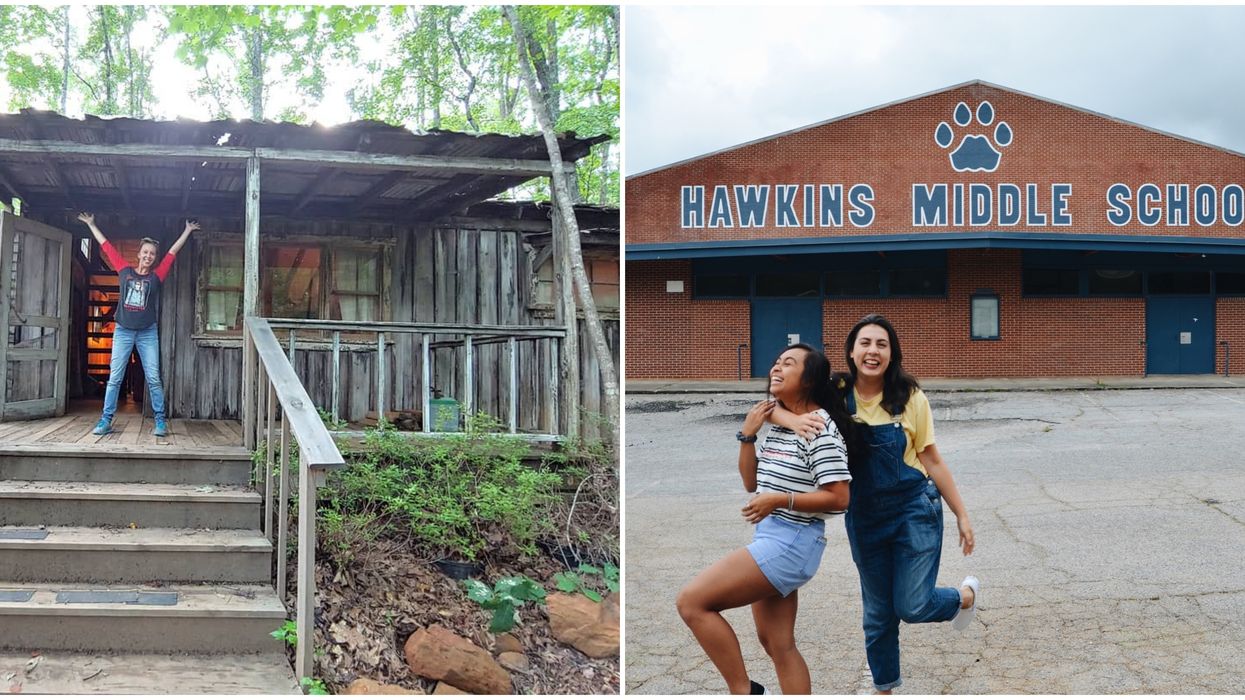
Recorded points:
(203, 618)
(154, 464)
(70, 673)
(88, 504)
(116, 555)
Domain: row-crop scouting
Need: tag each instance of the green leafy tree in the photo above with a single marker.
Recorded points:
(456, 68)
(115, 73)
(243, 52)
(36, 76)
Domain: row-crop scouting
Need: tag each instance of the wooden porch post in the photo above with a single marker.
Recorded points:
(565, 315)
(250, 299)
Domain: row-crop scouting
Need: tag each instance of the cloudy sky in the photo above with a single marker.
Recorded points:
(699, 79)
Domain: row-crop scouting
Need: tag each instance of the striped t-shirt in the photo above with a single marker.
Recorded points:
(787, 463)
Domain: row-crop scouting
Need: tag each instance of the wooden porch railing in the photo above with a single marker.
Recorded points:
(468, 337)
(277, 384)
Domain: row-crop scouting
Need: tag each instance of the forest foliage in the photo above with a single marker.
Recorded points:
(423, 67)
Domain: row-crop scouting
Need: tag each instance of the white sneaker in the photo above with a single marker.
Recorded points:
(964, 616)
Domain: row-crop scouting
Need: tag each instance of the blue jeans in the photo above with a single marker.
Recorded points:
(896, 541)
(124, 341)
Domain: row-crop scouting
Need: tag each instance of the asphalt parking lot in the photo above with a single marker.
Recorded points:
(1110, 542)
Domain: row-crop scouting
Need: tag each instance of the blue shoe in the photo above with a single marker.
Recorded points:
(103, 427)
(162, 428)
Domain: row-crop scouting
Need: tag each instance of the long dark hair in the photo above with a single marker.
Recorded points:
(828, 389)
(897, 385)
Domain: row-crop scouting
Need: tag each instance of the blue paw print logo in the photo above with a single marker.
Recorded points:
(976, 152)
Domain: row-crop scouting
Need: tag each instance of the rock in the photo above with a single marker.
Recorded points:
(367, 686)
(447, 689)
(589, 627)
(514, 661)
(508, 642)
(435, 652)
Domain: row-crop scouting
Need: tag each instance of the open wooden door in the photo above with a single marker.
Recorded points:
(34, 318)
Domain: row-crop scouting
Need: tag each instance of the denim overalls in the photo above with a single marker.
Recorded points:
(894, 526)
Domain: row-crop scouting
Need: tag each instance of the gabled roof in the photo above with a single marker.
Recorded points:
(924, 95)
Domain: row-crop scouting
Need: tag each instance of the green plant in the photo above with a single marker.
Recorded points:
(456, 495)
(287, 633)
(313, 686)
(574, 581)
(330, 422)
(504, 598)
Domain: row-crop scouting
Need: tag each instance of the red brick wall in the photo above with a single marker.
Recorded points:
(1038, 337)
(893, 147)
(670, 336)
(1230, 326)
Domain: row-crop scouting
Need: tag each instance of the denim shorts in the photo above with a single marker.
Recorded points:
(788, 554)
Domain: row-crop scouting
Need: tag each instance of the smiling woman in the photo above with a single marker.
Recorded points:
(799, 483)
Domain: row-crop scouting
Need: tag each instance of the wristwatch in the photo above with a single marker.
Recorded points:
(745, 438)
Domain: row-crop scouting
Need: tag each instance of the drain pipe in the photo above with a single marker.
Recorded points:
(1226, 356)
(739, 360)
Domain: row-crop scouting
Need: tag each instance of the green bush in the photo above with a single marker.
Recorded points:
(457, 495)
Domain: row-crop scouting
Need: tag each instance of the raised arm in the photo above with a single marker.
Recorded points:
(89, 219)
(748, 450)
(181, 241)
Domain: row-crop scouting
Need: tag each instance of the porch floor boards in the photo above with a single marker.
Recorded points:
(130, 429)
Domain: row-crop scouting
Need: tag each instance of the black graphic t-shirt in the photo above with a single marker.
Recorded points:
(140, 294)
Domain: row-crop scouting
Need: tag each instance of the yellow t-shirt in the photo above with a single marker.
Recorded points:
(917, 422)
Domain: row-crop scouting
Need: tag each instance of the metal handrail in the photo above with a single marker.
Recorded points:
(277, 384)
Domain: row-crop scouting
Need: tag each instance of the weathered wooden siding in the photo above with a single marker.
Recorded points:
(443, 275)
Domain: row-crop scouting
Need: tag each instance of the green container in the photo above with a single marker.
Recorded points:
(446, 415)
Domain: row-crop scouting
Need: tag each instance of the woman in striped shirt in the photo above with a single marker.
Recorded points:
(799, 482)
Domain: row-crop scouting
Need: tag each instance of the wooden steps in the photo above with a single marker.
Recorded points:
(122, 557)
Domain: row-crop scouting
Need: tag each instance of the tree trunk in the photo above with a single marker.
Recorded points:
(65, 69)
(257, 74)
(570, 228)
(110, 88)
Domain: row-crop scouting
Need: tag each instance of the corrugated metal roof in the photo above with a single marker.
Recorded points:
(182, 186)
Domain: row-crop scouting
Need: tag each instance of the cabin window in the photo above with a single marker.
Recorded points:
(221, 297)
(602, 278)
(355, 293)
(290, 282)
(332, 281)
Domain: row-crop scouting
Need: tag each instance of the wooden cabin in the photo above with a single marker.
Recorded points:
(383, 263)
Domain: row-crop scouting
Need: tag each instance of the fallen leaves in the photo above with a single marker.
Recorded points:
(366, 615)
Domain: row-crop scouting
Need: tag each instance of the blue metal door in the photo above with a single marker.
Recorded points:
(777, 323)
(1180, 335)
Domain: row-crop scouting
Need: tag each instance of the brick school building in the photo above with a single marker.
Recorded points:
(1005, 235)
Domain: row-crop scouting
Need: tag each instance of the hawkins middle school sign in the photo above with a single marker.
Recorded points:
(974, 141)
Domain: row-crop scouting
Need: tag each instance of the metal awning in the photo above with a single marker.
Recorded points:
(935, 241)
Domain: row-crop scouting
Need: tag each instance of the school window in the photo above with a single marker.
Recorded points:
(985, 317)
(1042, 282)
(1230, 283)
(325, 282)
(788, 284)
(602, 279)
(1183, 282)
(853, 283)
(1114, 282)
(920, 282)
(736, 286)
